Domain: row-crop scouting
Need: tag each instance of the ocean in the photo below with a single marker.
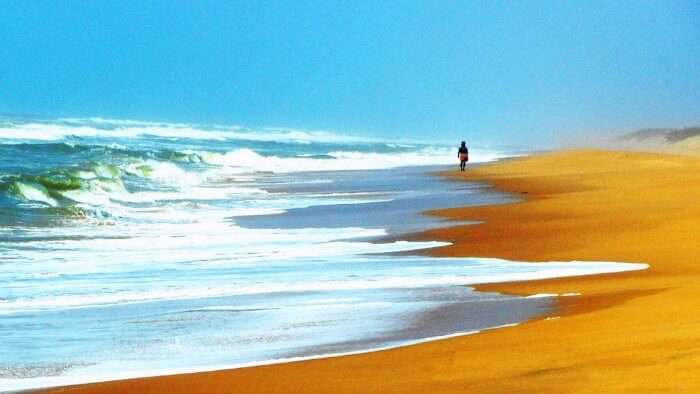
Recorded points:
(132, 248)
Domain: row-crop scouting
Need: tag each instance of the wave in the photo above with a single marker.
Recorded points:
(92, 185)
(470, 274)
(59, 187)
(189, 174)
(45, 167)
(103, 185)
(248, 159)
(64, 128)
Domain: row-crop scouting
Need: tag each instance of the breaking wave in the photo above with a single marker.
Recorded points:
(64, 128)
(104, 168)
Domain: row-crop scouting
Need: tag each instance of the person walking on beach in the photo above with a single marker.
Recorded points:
(463, 154)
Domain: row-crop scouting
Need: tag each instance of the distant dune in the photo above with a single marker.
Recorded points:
(691, 144)
(685, 140)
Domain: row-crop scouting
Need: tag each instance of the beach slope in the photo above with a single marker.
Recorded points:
(629, 332)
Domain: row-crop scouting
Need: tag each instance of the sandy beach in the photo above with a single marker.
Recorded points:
(630, 332)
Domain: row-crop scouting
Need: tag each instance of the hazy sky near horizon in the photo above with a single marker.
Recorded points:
(516, 72)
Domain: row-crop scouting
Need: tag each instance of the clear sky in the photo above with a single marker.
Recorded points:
(525, 72)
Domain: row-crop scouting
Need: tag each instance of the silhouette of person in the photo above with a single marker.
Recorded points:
(463, 154)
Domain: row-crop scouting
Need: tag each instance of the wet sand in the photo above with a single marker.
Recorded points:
(628, 332)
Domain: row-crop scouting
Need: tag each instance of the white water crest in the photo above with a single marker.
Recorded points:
(113, 128)
(249, 161)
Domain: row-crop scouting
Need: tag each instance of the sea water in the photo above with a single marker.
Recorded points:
(132, 248)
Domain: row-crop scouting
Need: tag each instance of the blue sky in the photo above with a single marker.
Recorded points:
(519, 72)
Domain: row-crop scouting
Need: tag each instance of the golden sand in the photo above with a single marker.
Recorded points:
(629, 332)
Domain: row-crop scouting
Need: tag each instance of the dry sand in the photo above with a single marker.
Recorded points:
(630, 332)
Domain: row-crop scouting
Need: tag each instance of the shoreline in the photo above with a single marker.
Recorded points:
(528, 358)
(226, 367)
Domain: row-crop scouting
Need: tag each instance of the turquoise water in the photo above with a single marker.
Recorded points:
(131, 248)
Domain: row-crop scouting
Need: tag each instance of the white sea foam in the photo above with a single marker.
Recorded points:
(379, 280)
(541, 295)
(111, 128)
(61, 129)
(106, 374)
(249, 160)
